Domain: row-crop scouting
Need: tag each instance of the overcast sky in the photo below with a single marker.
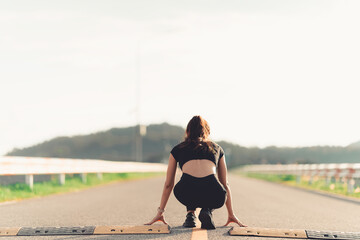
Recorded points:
(261, 72)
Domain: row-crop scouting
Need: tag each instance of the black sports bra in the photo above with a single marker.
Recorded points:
(183, 154)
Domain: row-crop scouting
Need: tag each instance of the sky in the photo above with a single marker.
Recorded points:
(262, 73)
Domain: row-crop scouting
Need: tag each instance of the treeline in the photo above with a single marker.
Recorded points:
(237, 155)
(118, 144)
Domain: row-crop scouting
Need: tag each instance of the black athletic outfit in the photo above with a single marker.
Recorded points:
(194, 192)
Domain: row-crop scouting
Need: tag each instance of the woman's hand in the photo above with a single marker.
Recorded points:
(159, 217)
(234, 219)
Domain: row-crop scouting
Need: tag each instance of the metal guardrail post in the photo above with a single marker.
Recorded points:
(29, 180)
(332, 179)
(350, 185)
(99, 176)
(83, 177)
(328, 180)
(357, 182)
(311, 179)
(62, 178)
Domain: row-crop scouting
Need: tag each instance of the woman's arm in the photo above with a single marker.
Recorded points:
(222, 174)
(168, 186)
(169, 182)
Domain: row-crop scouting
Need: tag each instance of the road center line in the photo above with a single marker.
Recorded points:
(198, 233)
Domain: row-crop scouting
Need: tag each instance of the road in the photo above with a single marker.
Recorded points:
(256, 203)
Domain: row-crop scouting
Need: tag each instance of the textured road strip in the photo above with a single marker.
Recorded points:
(267, 232)
(332, 235)
(85, 230)
(152, 229)
(50, 231)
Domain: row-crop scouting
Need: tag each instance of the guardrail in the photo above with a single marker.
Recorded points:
(348, 173)
(30, 166)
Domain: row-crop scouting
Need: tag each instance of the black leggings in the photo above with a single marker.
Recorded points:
(205, 192)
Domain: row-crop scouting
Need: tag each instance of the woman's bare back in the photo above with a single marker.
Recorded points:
(199, 167)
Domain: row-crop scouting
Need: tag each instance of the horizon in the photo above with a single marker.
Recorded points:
(279, 73)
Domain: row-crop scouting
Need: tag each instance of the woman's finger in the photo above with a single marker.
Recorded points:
(162, 219)
(164, 222)
(149, 223)
(241, 225)
(227, 223)
(238, 222)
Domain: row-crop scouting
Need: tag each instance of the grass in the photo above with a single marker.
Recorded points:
(72, 183)
(318, 184)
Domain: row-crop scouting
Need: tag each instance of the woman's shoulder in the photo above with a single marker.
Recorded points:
(180, 144)
(216, 145)
(177, 146)
(218, 149)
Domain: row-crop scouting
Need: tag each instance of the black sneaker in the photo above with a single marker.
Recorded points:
(205, 217)
(190, 220)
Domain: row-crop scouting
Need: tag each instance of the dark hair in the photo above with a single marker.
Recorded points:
(198, 132)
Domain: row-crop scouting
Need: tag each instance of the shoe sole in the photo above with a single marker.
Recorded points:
(189, 225)
(206, 221)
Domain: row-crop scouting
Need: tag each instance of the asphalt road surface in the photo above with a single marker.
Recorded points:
(256, 203)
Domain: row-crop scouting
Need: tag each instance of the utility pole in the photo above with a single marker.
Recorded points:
(140, 129)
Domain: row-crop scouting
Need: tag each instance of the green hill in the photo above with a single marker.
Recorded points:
(354, 145)
(118, 144)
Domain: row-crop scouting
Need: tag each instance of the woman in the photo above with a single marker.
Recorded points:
(199, 159)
